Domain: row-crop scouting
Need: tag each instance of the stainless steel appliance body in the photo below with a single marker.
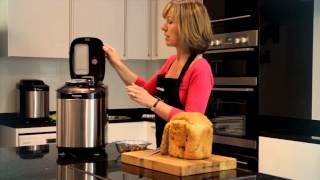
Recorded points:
(81, 119)
(36, 104)
(33, 99)
(81, 116)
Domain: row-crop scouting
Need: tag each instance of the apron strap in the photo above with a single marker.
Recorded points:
(186, 66)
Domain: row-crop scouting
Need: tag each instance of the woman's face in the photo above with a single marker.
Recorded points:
(170, 29)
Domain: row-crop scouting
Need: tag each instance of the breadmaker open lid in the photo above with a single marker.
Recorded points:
(87, 59)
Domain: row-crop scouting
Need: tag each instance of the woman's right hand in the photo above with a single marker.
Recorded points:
(125, 73)
(111, 54)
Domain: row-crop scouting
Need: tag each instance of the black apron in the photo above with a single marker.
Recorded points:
(168, 90)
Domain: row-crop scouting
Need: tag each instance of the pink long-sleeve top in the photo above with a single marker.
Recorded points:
(195, 86)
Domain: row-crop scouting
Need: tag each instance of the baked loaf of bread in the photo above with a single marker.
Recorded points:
(188, 135)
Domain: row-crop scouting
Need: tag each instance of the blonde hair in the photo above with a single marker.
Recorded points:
(193, 24)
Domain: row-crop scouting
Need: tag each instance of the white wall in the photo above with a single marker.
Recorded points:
(289, 159)
(316, 63)
(55, 72)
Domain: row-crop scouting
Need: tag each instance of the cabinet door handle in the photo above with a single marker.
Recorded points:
(149, 49)
(71, 21)
(125, 28)
(156, 28)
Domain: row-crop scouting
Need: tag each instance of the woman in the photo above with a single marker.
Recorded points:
(185, 80)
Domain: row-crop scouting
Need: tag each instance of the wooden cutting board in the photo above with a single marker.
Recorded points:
(176, 166)
(157, 175)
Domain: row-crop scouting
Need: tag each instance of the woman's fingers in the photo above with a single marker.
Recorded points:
(131, 91)
(134, 91)
(106, 49)
(139, 95)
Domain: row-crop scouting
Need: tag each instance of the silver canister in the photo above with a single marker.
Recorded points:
(33, 99)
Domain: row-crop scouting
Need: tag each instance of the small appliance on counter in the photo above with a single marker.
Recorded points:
(33, 100)
(81, 116)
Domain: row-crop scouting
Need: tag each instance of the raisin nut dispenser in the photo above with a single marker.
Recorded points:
(81, 116)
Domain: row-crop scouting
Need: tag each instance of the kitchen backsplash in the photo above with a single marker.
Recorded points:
(55, 72)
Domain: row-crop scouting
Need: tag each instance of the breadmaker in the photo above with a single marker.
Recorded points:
(81, 116)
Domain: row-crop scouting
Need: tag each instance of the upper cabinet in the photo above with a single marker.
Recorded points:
(37, 28)
(144, 37)
(103, 19)
(159, 48)
(138, 29)
(45, 28)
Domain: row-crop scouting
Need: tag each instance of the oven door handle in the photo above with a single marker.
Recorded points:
(217, 51)
(234, 89)
(230, 19)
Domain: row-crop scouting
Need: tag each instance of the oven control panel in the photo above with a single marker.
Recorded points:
(235, 40)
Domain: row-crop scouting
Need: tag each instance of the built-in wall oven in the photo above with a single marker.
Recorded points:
(234, 59)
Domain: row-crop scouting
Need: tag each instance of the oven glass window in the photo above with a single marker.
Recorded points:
(244, 64)
(222, 9)
(230, 115)
(230, 68)
(229, 106)
(232, 15)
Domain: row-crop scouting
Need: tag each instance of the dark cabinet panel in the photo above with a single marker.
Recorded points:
(286, 40)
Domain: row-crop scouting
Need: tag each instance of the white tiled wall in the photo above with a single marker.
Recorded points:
(55, 72)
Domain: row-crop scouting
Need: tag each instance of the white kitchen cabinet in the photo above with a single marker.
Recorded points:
(132, 131)
(45, 28)
(144, 37)
(289, 159)
(37, 28)
(104, 19)
(159, 48)
(138, 32)
(133, 27)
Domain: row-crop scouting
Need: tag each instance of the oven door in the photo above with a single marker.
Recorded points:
(234, 123)
(236, 67)
(241, 62)
(231, 107)
(233, 110)
(232, 15)
(231, 60)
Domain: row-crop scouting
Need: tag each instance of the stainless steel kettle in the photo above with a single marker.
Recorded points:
(81, 116)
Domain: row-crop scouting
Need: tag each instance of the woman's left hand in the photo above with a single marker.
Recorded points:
(140, 95)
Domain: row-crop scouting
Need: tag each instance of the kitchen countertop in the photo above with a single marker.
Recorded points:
(303, 130)
(14, 121)
(16, 164)
(276, 127)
